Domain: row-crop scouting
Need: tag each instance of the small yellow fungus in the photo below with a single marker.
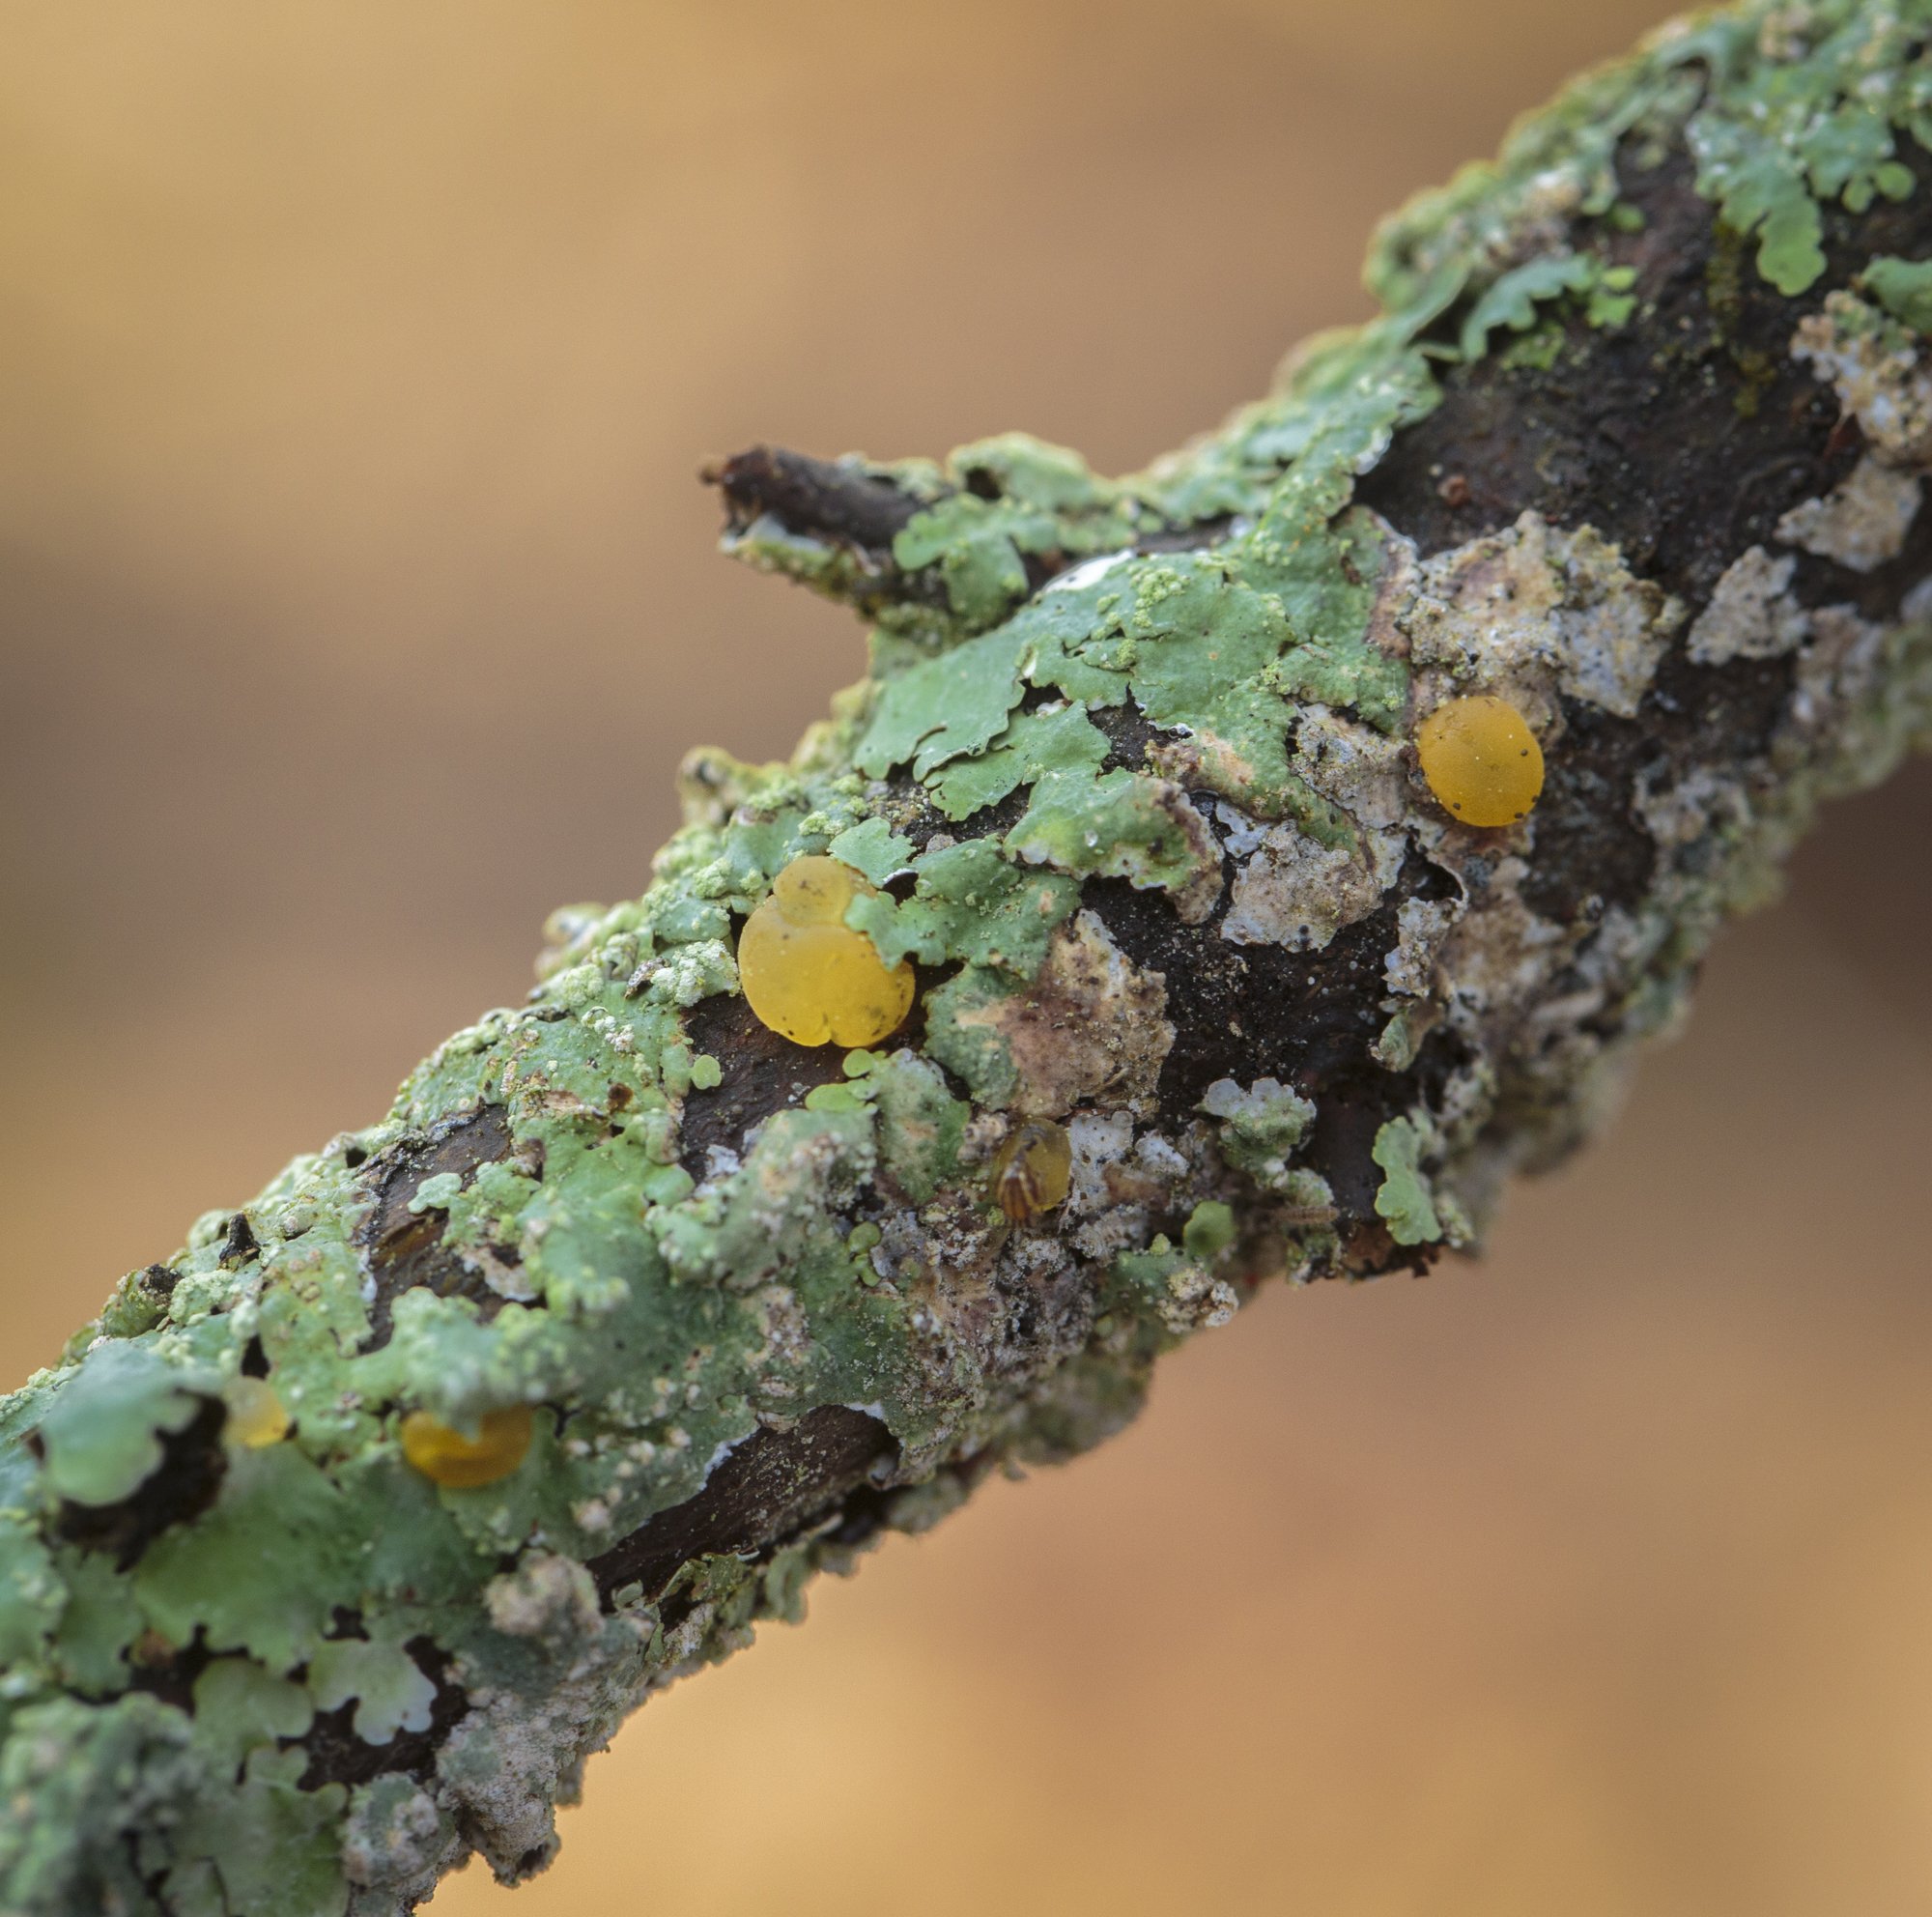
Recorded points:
(1481, 759)
(447, 1457)
(1033, 1170)
(807, 974)
(256, 1415)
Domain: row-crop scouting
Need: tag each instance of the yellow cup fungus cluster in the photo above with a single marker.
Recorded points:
(1481, 759)
(1033, 1171)
(807, 974)
(444, 1455)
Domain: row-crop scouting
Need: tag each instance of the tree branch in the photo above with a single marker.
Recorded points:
(1636, 447)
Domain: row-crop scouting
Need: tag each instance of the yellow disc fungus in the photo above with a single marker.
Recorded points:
(1033, 1170)
(445, 1456)
(807, 974)
(1481, 759)
(256, 1415)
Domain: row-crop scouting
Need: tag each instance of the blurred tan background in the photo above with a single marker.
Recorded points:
(358, 599)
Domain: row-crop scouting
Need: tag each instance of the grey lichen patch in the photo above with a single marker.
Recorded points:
(1422, 927)
(1501, 954)
(1297, 890)
(1849, 666)
(395, 1842)
(1876, 369)
(1297, 893)
(522, 1746)
(547, 1598)
(1751, 613)
(1700, 805)
(1863, 521)
(1534, 612)
(1121, 1180)
(1359, 770)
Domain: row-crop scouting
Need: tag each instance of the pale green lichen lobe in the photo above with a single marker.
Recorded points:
(1404, 1199)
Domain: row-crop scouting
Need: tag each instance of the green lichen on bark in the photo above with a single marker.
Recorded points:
(1132, 770)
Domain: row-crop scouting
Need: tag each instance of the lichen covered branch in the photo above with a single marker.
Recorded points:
(1176, 960)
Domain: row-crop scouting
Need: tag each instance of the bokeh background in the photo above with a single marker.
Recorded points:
(358, 599)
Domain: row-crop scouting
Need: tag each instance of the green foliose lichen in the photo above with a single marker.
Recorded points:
(1261, 1126)
(973, 905)
(1020, 498)
(1816, 120)
(1784, 108)
(1903, 288)
(965, 1036)
(1405, 1200)
(102, 1437)
(922, 1127)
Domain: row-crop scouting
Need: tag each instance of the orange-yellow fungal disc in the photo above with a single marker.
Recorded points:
(1033, 1171)
(1481, 759)
(445, 1456)
(807, 974)
(256, 1415)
